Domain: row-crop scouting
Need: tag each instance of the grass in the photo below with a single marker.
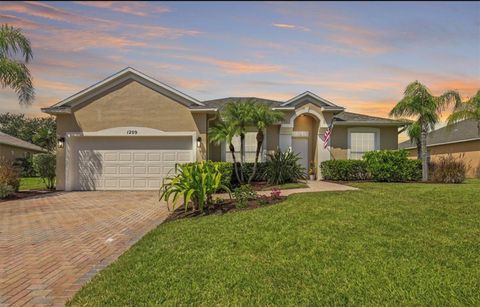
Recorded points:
(286, 186)
(386, 244)
(32, 183)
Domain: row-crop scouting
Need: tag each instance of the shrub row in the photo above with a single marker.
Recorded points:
(344, 170)
(382, 165)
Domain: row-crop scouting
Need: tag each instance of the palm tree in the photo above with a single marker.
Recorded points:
(420, 103)
(414, 133)
(240, 115)
(262, 117)
(224, 131)
(14, 73)
(467, 110)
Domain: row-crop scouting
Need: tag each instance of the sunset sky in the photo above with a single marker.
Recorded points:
(358, 55)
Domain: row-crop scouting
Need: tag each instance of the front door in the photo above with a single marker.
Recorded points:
(300, 147)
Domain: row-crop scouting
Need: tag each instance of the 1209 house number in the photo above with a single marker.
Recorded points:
(132, 132)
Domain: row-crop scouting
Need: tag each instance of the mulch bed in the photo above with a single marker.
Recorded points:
(228, 205)
(25, 194)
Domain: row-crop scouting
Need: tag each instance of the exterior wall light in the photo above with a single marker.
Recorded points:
(199, 142)
(61, 142)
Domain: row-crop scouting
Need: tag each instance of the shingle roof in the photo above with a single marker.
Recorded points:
(13, 141)
(461, 131)
(355, 117)
(219, 103)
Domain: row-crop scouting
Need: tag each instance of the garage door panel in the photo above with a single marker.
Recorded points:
(127, 165)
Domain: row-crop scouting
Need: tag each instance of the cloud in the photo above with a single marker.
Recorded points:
(139, 8)
(290, 26)
(234, 67)
(55, 85)
(43, 10)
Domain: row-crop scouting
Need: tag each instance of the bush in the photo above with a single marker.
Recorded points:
(283, 167)
(344, 170)
(5, 190)
(9, 174)
(225, 169)
(195, 183)
(26, 166)
(390, 166)
(243, 194)
(44, 165)
(248, 169)
(448, 169)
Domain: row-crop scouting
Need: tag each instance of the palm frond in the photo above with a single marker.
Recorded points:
(16, 75)
(12, 41)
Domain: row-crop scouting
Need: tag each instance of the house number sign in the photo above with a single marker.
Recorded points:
(132, 132)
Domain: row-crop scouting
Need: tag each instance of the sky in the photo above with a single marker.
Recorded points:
(360, 55)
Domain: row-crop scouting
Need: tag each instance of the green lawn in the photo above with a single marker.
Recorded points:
(387, 244)
(32, 183)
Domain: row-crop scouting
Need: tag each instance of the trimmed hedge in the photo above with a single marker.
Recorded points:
(344, 170)
(381, 165)
(391, 166)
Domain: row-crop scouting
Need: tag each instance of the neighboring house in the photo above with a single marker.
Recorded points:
(12, 148)
(129, 130)
(461, 140)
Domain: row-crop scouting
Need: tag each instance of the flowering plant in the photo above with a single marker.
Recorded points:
(275, 194)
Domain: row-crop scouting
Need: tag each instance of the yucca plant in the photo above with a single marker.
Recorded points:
(283, 167)
(194, 184)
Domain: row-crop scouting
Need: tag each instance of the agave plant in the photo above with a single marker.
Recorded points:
(283, 167)
(194, 184)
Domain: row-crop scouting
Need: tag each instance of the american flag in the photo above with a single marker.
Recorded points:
(327, 134)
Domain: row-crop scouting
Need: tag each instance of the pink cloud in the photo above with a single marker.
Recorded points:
(234, 67)
(134, 8)
(290, 26)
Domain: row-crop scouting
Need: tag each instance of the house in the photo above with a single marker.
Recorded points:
(128, 131)
(461, 140)
(12, 148)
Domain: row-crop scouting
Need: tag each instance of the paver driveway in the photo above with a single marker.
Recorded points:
(51, 245)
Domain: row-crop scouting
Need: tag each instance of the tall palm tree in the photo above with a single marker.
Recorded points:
(262, 117)
(420, 103)
(240, 115)
(414, 132)
(467, 110)
(224, 131)
(14, 73)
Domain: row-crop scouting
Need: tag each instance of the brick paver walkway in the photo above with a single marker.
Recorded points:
(51, 245)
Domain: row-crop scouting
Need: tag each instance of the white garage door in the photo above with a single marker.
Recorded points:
(127, 163)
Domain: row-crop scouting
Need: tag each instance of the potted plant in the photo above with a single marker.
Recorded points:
(312, 170)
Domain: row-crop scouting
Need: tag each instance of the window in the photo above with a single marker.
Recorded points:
(361, 140)
(250, 148)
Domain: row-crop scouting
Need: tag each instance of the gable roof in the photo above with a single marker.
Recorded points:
(463, 131)
(356, 118)
(311, 97)
(124, 75)
(13, 141)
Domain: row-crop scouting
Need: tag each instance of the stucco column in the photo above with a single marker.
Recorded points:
(323, 153)
(285, 140)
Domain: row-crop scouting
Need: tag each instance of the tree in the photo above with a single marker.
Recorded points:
(38, 131)
(420, 103)
(224, 131)
(13, 72)
(467, 110)
(262, 117)
(240, 114)
(414, 132)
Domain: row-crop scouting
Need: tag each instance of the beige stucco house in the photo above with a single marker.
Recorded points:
(129, 130)
(462, 140)
(12, 148)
